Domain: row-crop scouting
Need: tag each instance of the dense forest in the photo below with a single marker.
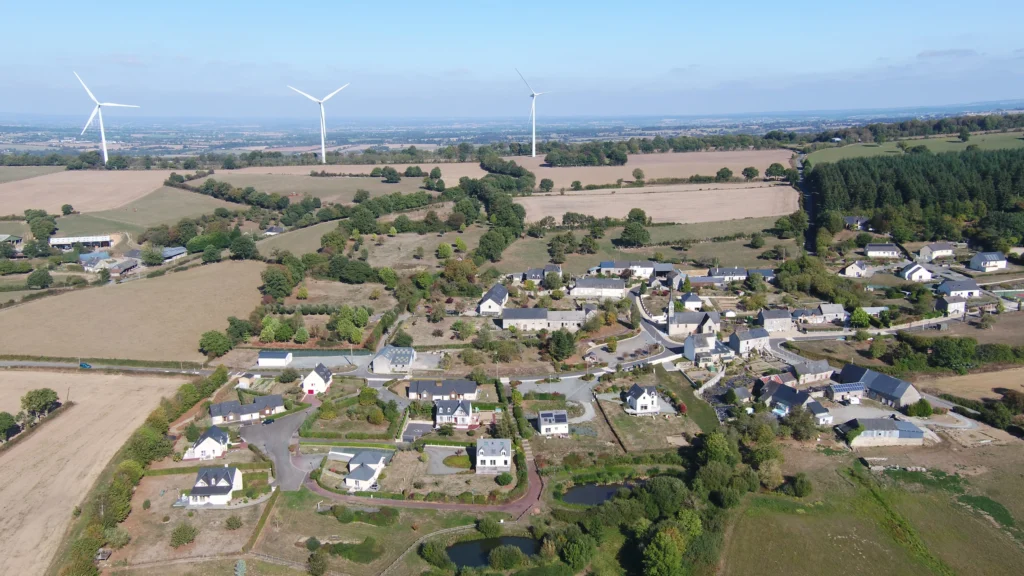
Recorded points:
(882, 132)
(973, 194)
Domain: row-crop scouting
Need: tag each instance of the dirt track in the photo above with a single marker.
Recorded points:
(43, 478)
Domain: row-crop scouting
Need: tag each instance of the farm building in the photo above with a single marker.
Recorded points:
(493, 301)
(234, 411)
(935, 251)
(123, 267)
(364, 466)
(642, 400)
(213, 443)
(844, 392)
(884, 432)
(393, 360)
(599, 288)
(988, 261)
(961, 288)
(813, 371)
(317, 381)
(273, 230)
(775, 320)
(749, 340)
(91, 261)
(706, 350)
(458, 413)
(214, 486)
(691, 302)
(881, 387)
(11, 239)
(88, 241)
(858, 269)
(442, 390)
(915, 273)
(552, 422)
(638, 268)
(493, 455)
(952, 305)
(274, 358)
(882, 251)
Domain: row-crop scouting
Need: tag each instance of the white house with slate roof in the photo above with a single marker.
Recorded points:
(537, 275)
(213, 443)
(858, 269)
(599, 288)
(691, 302)
(442, 390)
(686, 323)
(782, 399)
(705, 350)
(960, 288)
(934, 251)
(988, 261)
(637, 268)
(533, 319)
(364, 466)
(493, 301)
(952, 305)
(775, 320)
(745, 342)
(881, 387)
(458, 413)
(318, 381)
(234, 411)
(214, 486)
(884, 432)
(813, 371)
(729, 274)
(642, 400)
(882, 251)
(493, 455)
(915, 273)
(553, 422)
(393, 360)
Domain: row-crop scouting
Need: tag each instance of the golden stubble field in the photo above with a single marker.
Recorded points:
(44, 477)
(86, 190)
(150, 319)
(684, 203)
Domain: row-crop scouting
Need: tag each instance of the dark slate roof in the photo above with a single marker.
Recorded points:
(442, 387)
(218, 435)
(754, 334)
(172, 251)
(881, 248)
(371, 457)
(776, 314)
(133, 254)
(664, 267)
(816, 408)
(637, 391)
(690, 297)
(449, 407)
(323, 371)
(236, 407)
(553, 417)
(552, 268)
(274, 229)
(274, 354)
(766, 273)
(534, 274)
(949, 286)
(989, 257)
(362, 473)
(493, 446)
(727, 272)
(813, 367)
(695, 317)
(851, 220)
(784, 394)
(212, 476)
(497, 294)
(902, 426)
(626, 264)
(398, 354)
(610, 283)
(881, 384)
(525, 314)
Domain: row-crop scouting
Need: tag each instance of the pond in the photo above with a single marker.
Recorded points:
(474, 552)
(591, 494)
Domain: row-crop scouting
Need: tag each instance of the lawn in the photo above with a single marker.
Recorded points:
(700, 411)
(646, 433)
(945, 143)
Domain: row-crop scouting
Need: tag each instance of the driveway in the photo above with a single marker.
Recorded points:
(274, 439)
(436, 465)
(624, 350)
(841, 414)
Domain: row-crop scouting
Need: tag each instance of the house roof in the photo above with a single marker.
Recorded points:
(755, 334)
(373, 457)
(213, 477)
(627, 264)
(816, 408)
(887, 424)
(525, 314)
(727, 272)
(323, 372)
(989, 257)
(858, 264)
(881, 248)
(606, 283)
(952, 299)
(442, 387)
(695, 317)
(912, 267)
(172, 251)
(850, 220)
(93, 257)
(950, 286)
(398, 354)
(235, 407)
(452, 407)
(690, 297)
(126, 264)
(936, 246)
(700, 280)
(361, 473)
(664, 267)
(813, 367)
(764, 272)
(781, 393)
(776, 314)
(831, 309)
(553, 417)
(9, 237)
(496, 294)
(876, 382)
(637, 391)
(702, 340)
(493, 446)
(219, 436)
(802, 312)
(274, 354)
(274, 229)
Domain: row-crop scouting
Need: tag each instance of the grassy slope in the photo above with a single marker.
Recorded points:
(937, 144)
(13, 173)
(297, 241)
(162, 206)
(700, 411)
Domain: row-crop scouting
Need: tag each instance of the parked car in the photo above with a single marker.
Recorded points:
(84, 366)
(268, 421)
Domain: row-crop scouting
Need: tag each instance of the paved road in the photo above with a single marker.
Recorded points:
(274, 439)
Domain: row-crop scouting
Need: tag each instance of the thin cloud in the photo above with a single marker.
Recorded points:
(951, 53)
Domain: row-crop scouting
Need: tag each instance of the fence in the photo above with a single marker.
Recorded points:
(290, 563)
(424, 538)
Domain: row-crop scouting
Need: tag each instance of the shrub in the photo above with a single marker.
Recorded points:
(342, 514)
(316, 565)
(288, 375)
(117, 537)
(489, 527)
(435, 554)
(799, 486)
(312, 543)
(233, 522)
(503, 479)
(146, 504)
(506, 557)
(183, 534)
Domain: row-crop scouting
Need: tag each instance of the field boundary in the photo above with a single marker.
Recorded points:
(610, 427)
(26, 433)
(261, 523)
(113, 362)
(195, 469)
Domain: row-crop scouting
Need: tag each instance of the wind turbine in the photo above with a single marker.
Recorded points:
(533, 111)
(98, 111)
(323, 123)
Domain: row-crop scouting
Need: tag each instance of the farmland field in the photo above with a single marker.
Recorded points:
(150, 319)
(14, 227)
(86, 190)
(162, 206)
(13, 173)
(298, 242)
(48, 474)
(339, 190)
(945, 143)
(674, 203)
(978, 386)
(1008, 329)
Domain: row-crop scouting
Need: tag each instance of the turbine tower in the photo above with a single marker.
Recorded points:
(533, 112)
(323, 123)
(98, 111)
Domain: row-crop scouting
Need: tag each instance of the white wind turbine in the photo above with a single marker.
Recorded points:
(533, 112)
(323, 123)
(98, 111)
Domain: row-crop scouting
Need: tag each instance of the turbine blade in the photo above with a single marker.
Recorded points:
(91, 116)
(331, 95)
(119, 105)
(87, 91)
(524, 80)
(306, 95)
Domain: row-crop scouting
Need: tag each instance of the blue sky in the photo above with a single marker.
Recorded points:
(457, 59)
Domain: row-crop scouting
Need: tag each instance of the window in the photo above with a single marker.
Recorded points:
(505, 462)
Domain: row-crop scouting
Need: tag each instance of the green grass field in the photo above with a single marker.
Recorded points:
(14, 227)
(301, 241)
(13, 173)
(162, 206)
(327, 189)
(935, 144)
(700, 411)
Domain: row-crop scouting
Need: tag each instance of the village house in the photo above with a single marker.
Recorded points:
(952, 305)
(691, 302)
(962, 288)
(851, 393)
(493, 455)
(988, 261)
(533, 319)
(234, 411)
(642, 400)
(706, 350)
(213, 443)
(364, 466)
(393, 360)
(458, 413)
(883, 432)
(782, 399)
(537, 275)
(214, 486)
(855, 222)
(935, 251)
(317, 381)
(553, 422)
(882, 251)
(813, 371)
(274, 358)
(831, 313)
(686, 323)
(432, 390)
(784, 378)
(635, 268)
(915, 273)
(729, 274)
(745, 342)
(775, 320)
(767, 274)
(493, 301)
(881, 387)
(598, 288)
(858, 269)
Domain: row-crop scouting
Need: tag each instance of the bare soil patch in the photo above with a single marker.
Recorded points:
(978, 386)
(43, 478)
(1008, 329)
(150, 319)
(676, 203)
(86, 190)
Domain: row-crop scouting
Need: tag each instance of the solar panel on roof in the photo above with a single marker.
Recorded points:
(560, 419)
(847, 387)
